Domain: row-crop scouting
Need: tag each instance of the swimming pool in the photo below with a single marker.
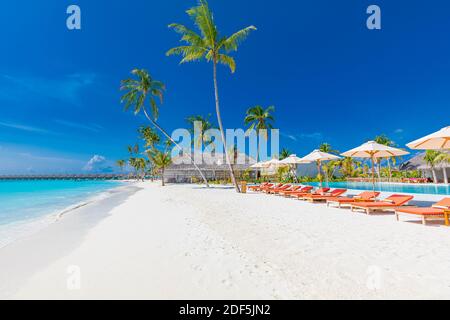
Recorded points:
(390, 187)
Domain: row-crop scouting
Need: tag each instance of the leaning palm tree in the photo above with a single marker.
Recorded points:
(210, 45)
(260, 119)
(144, 88)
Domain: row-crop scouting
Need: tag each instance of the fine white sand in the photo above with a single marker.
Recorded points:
(189, 242)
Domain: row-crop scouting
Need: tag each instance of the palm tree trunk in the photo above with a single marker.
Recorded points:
(434, 175)
(219, 120)
(162, 177)
(177, 145)
(390, 170)
(444, 171)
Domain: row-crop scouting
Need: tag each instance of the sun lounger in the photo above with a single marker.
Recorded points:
(391, 203)
(367, 196)
(258, 187)
(292, 188)
(283, 187)
(320, 191)
(272, 187)
(438, 211)
(316, 197)
(300, 190)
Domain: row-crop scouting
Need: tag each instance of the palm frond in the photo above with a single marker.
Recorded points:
(228, 61)
(232, 42)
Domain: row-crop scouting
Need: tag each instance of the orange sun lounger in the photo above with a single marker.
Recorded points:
(292, 188)
(283, 187)
(272, 187)
(319, 192)
(390, 203)
(262, 185)
(440, 210)
(316, 197)
(300, 190)
(367, 196)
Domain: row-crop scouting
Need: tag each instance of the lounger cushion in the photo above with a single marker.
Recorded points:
(422, 211)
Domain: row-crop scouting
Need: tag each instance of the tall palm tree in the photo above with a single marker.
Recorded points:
(161, 160)
(210, 45)
(260, 119)
(144, 88)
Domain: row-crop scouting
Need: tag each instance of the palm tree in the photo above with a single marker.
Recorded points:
(384, 140)
(259, 119)
(347, 167)
(161, 161)
(150, 137)
(205, 125)
(433, 158)
(285, 153)
(141, 89)
(209, 45)
(443, 158)
(326, 147)
(121, 164)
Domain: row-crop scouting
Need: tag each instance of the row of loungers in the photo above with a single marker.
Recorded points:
(366, 201)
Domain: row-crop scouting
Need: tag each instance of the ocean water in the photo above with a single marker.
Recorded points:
(28, 205)
(391, 187)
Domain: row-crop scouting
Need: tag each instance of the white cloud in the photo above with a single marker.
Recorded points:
(98, 164)
(303, 136)
(398, 131)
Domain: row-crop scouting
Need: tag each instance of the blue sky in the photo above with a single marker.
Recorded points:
(330, 78)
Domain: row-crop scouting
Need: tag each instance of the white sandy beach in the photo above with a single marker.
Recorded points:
(188, 242)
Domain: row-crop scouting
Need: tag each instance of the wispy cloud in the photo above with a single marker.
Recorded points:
(398, 131)
(66, 88)
(303, 136)
(82, 126)
(24, 127)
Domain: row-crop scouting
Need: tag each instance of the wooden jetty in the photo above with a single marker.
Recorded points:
(67, 177)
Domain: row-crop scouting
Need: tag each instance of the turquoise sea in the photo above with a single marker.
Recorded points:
(392, 187)
(22, 201)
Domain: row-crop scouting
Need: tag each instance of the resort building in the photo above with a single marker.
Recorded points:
(214, 167)
(442, 170)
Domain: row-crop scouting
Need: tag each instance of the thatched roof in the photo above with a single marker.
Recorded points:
(216, 162)
(418, 163)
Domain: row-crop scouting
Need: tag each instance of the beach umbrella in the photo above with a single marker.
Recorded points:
(319, 157)
(439, 140)
(292, 161)
(372, 150)
(273, 162)
(258, 165)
